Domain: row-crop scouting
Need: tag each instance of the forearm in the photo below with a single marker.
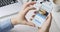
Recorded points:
(6, 25)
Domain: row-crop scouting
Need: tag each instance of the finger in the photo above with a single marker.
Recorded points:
(36, 12)
(26, 10)
(33, 15)
(31, 18)
(49, 16)
(28, 3)
(47, 24)
(29, 23)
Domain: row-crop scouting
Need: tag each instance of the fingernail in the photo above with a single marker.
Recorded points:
(36, 12)
(33, 16)
(31, 19)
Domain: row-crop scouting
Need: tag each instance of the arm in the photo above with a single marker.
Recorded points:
(6, 25)
(46, 26)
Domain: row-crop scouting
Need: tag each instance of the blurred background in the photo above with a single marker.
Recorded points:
(10, 8)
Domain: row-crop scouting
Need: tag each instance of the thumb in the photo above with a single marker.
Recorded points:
(46, 25)
(26, 10)
(29, 24)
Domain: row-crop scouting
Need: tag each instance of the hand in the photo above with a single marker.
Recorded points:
(46, 25)
(20, 19)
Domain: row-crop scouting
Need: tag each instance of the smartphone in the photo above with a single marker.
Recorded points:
(43, 10)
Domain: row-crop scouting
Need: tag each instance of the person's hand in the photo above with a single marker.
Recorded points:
(20, 19)
(45, 27)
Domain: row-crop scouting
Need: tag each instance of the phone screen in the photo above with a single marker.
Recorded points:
(40, 17)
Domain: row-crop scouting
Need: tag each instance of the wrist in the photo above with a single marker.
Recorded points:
(14, 21)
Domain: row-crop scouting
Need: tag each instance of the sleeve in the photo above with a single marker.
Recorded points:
(5, 25)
